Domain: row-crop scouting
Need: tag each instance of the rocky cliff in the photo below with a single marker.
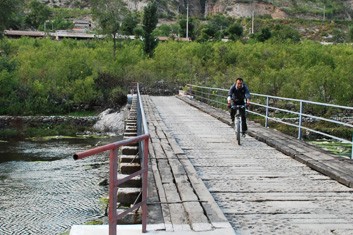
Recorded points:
(234, 8)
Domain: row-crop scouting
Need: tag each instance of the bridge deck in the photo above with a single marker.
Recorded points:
(205, 182)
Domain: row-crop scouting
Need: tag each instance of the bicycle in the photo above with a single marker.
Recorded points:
(237, 121)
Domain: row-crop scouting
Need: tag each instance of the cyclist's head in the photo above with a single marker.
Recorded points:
(239, 83)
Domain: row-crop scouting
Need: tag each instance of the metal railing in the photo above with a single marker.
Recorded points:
(142, 138)
(291, 112)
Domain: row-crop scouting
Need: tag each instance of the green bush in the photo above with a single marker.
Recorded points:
(58, 77)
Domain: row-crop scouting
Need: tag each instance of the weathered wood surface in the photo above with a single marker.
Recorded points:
(259, 189)
(186, 204)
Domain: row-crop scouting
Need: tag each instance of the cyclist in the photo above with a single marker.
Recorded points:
(238, 93)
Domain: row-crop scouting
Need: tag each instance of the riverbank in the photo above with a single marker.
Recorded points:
(24, 127)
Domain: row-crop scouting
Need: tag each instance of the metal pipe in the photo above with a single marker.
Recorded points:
(267, 104)
(300, 121)
(200, 93)
(145, 186)
(144, 137)
(113, 168)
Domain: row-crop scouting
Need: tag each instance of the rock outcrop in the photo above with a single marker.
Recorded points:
(201, 8)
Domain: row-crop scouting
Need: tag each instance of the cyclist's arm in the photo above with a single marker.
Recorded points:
(247, 95)
(230, 93)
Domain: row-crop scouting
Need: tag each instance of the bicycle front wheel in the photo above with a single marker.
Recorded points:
(237, 131)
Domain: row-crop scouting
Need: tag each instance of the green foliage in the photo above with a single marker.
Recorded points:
(350, 34)
(69, 13)
(9, 13)
(171, 30)
(287, 33)
(150, 20)
(235, 31)
(110, 14)
(53, 77)
(61, 78)
(264, 35)
(38, 14)
(191, 28)
(129, 23)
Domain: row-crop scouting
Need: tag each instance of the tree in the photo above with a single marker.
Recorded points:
(38, 14)
(283, 33)
(150, 20)
(110, 15)
(235, 31)
(129, 23)
(8, 13)
(264, 35)
(350, 34)
(191, 27)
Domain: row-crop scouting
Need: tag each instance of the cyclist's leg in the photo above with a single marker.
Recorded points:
(232, 114)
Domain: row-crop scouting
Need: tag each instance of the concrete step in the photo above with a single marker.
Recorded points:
(133, 183)
(129, 196)
(130, 129)
(131, 123)
(130, 218)
(129, 135)
(136, 144)
(129, 150)
(129, 168)
(129, 159)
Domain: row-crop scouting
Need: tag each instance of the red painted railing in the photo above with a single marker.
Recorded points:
(114, 182)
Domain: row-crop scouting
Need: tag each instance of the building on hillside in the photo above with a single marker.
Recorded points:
(82, 25)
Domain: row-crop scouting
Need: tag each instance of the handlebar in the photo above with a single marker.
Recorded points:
(239, 106)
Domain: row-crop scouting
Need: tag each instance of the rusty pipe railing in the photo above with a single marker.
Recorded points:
(114, 182)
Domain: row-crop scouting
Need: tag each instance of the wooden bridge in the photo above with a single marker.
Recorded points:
(202, 182)
(272, 184)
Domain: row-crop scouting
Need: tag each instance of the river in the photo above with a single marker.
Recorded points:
(44, 191)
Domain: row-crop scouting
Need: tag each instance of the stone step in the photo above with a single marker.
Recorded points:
(129, 159)
(131, 123)
(133, 183)
(130, 134)
(129, 150)
(128, 196)
(129, 168)
(132, 145)
(130, 129)
(130, 218)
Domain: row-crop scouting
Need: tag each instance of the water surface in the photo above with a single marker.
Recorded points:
(44, 191)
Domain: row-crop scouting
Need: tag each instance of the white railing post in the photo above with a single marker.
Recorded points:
(300, 121)
(266, 118)
(352, 148)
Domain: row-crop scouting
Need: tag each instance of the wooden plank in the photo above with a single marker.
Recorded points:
(198, 221)
(165, 171)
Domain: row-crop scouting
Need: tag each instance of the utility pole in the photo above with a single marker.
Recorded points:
(252, 17)
(187, 20)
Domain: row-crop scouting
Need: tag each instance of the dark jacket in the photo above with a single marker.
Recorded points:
(239, 95)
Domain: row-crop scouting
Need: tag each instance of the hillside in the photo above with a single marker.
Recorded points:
(277, 9)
